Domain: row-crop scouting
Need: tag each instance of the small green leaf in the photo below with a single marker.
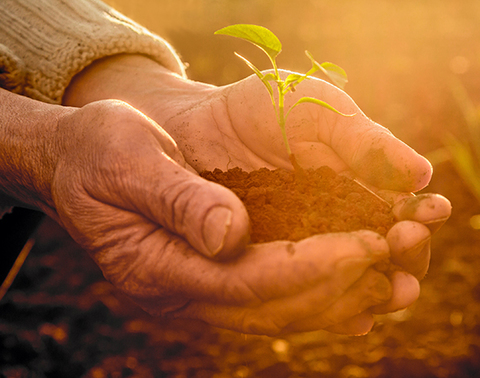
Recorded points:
(318, 102)
(315, 64)
(335, 73)
(292, 80)
(258, 35)
(251, 65)
(264, 78)
(270, 77)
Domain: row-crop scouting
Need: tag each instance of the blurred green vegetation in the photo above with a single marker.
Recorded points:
(464, 151)
(400, 55)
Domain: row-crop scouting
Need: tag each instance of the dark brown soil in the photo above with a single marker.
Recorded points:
(283, 206)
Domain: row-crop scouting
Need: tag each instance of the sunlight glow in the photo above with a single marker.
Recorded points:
(475, 222)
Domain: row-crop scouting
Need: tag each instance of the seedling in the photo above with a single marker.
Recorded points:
(268, 42)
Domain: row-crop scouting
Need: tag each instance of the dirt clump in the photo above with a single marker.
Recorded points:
(283, 207)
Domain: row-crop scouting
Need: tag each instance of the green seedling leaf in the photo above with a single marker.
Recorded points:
(264, 78)
(270, 77)
(251, 65)
(258, 35)
(318, 102)
(335, 73)
(292, 81)
(270, 45)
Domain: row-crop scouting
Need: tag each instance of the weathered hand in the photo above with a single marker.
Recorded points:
(235, 126)
(125, 194)
(355, 146)
(116, 181)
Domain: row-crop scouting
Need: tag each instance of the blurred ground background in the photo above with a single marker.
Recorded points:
(403, 58)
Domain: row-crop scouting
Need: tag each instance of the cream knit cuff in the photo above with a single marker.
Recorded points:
(44, 43)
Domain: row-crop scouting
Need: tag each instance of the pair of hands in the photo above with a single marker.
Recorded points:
(124, 185)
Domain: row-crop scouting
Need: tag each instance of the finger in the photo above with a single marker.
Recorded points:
(430, 209)
(280, 269)
(151, 182)
(336, 299)
(370, 150)
(264, 289)
(357, 325)
(210, 217)
(372, 289)
(409, 243)
(293, 283)
(406, 290)
(384, 161)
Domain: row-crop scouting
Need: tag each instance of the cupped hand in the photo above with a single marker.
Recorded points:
(124, 192)
(353, 145)
(233, 126)
(236, 125)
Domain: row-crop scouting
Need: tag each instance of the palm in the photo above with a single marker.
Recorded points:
(156, 261)
(127, 214)
(236, 126)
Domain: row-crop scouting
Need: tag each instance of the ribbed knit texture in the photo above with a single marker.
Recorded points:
(44, 43)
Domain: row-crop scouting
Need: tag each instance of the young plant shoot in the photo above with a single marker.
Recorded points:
(268, 42)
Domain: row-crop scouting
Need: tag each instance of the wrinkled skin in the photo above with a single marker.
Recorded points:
(177, 245)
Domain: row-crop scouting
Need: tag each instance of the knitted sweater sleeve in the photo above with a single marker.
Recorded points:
(44, 43)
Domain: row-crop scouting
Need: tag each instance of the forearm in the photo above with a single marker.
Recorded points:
(28, 151)
(140, 81)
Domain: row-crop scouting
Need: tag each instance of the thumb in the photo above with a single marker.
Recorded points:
(377, 156)
(209, 216)
(135, 165)
(368, 149)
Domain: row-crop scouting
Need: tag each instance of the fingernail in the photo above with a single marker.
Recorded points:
(215, 228)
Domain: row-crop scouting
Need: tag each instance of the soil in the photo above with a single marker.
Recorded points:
(283, 205)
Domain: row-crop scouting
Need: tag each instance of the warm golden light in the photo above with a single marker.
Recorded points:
(401, 58)
(475, 222)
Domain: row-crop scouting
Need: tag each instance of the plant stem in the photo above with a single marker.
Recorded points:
(373, 193)
(300, 173)
(281, 119)
(275, 68)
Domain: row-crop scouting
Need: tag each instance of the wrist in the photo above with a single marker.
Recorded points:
(28, 151)
(141, 82)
